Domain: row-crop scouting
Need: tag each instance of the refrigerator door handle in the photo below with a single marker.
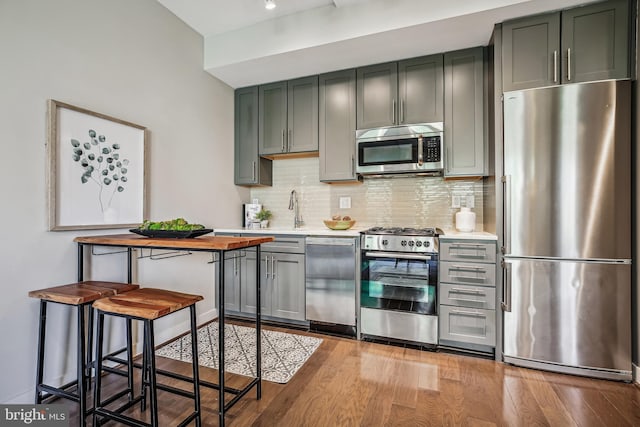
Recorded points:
(506, 244)
(506, 287)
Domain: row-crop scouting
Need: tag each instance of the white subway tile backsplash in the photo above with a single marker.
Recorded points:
(406, 202)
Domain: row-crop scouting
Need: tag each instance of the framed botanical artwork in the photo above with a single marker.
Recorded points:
(97, 170)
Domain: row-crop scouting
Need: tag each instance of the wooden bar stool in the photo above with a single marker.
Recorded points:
(146, 305)
(79, 295)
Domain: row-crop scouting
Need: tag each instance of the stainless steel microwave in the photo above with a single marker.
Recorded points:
(403, 149)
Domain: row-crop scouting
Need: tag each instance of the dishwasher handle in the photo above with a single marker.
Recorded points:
(332, 241)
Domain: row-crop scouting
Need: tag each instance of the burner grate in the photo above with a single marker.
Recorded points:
(405, 231)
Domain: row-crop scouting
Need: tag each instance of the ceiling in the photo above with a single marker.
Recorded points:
(245, 44)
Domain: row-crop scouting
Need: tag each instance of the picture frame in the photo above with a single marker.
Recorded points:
(97, 170)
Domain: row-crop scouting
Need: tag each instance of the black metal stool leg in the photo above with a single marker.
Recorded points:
(145, 371)
(129, 359)
(153, 390)
(194, 364)
(99, 338)
(89, 365)
(81, 368)
(41, 338)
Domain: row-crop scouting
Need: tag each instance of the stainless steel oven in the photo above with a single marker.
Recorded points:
(399, 278)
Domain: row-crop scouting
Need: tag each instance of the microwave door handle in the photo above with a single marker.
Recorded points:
(420, 148)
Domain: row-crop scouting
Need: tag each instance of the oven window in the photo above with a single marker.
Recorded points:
(399, 284)
(388, 152)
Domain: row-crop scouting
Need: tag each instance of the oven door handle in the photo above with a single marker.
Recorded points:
(399, 255)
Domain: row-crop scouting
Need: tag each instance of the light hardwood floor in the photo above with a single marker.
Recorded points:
(352, 383)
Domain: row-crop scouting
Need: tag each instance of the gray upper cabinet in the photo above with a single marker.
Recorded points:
(302, 115)
(273, 118)
(250, 169)
(464, 99)
(337, 126)
(530, 52)
(420, 89)
(393, 93)
(595, 40)
(288, 120)
(576, 45)
(377, 95)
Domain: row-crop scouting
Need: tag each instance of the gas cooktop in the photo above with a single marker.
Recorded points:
(405, 231)
(400, 239)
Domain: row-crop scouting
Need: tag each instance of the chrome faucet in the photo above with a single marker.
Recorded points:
(293, 206)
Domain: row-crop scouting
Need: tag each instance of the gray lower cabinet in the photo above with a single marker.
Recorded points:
(581, 44)
(281, 285)
(282, 280)
(288, 116)
(233, 266)
(337, 126)
(467, 295)
(249, 167)
(404, 92)
(464, 120)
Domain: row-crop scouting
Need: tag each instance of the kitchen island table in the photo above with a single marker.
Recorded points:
(218, 246)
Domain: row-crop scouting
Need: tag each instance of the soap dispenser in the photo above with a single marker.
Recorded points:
(465, 220)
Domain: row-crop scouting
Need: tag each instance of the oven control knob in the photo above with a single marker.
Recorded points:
(403, 243)
(427, 244)
(418, 243)
(385, 242)
(411, 243)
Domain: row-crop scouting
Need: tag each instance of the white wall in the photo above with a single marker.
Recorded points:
(133, 60)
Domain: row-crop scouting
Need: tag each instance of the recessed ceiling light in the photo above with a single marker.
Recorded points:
(269, 4)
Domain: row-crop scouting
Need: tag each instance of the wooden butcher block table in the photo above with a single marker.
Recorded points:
(217, 245)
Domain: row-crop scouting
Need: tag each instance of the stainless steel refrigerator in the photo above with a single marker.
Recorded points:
(567, 229)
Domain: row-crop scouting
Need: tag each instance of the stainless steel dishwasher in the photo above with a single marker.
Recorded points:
(331, 280)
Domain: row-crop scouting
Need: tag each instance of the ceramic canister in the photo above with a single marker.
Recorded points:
(465, 220)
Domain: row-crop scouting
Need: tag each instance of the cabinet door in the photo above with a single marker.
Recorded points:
(377, 95)
(272, 126)
(288, 292)
(337, 126)
(464, 140)
(531, 52)
(248, 285)
(302, 115)
(249, 168)
(420, 90)
(595, 42)
(232, 283)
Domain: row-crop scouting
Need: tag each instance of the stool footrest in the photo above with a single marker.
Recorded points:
(125, 406)
(116, 416)
(59, 391)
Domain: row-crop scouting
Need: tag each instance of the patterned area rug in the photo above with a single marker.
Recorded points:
(282, 353)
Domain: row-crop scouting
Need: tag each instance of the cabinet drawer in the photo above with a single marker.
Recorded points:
(457, 250)
(286, 244)
(468, 273)
(468, 325)
(467, 296)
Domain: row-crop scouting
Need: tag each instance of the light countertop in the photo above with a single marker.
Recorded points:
(302, 231)
(474, 235)
(352, 232)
